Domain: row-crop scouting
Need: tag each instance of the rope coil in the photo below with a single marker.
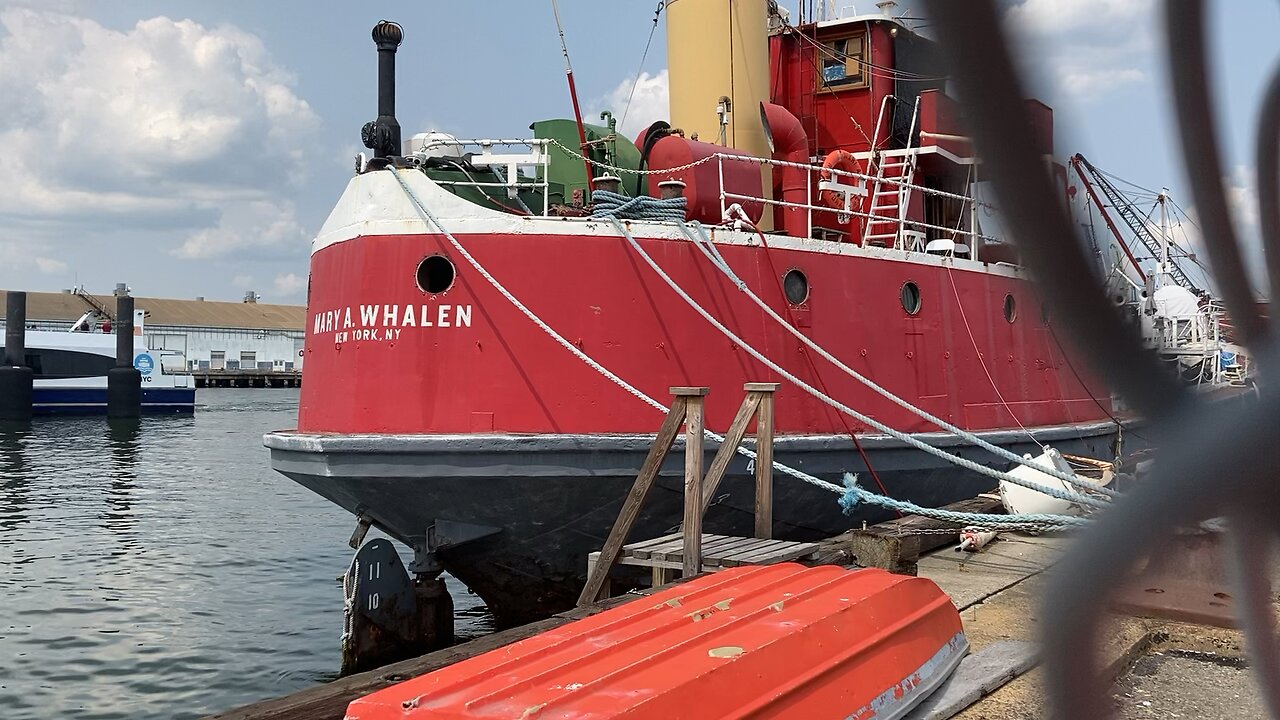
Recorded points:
(610, 205)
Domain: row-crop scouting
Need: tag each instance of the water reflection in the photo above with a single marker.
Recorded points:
(14, 483)
(162, 570)
(119, 519)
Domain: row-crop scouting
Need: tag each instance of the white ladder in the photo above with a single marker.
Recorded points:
(890, 200)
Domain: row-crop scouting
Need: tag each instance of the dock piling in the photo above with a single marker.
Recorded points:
(124, 381)
(16, 379)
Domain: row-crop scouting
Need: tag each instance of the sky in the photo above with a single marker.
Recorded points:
(194, 148)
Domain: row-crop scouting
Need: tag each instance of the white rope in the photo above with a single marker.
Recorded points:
(1067, 495)
(632, 390)
(716, 259)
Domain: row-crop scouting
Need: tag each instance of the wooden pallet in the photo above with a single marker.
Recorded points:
(666, 553)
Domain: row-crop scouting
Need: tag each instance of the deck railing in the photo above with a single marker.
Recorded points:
(854, 187)
(507, 165)
(851, 185)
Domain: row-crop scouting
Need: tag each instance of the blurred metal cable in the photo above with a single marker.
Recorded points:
(1188, 71)
(993, 101)
(1268, 169)
(1215, 459)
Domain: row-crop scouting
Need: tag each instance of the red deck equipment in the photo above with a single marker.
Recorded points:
(777, 641)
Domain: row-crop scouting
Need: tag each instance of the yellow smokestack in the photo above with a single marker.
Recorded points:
(720, 48)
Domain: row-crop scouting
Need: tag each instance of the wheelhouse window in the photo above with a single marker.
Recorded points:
(843, 64)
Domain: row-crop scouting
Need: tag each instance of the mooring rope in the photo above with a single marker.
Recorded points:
(1059, 493)
(712, 253)
(430, 217)
(855, 495)
(607, 204)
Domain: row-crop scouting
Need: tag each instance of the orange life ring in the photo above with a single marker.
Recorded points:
(843, 161)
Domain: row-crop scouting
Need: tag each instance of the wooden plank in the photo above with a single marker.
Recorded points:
(764, 464)
(732, 548)
(977, 676)
(745, 545)
(731, 544)
(727, 560)
(676, 551)
(792, 552)
(641, 545)
(728, 448)
(895, 545)
(769, 555)
(694, 456)
(669, 544)
(712, 544)
(329, 701)
(780, 548)
(635, 499)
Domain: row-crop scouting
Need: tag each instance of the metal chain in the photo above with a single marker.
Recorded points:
(606, 166)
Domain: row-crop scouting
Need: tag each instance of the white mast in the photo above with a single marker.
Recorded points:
(1164, 235)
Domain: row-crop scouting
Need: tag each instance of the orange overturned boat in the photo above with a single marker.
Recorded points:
(776, 641)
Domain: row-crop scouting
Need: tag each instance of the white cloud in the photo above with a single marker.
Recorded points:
(166, 124)
(49, 266)
(1088, 83)
(19, 257)
(1057, 16)
(255, 229)
(649, 103)
(1241, 191)
(1085, 49)
(289, 285)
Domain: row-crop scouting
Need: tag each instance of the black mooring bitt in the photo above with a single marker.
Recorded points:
(124, 382)
(391, 616)
(16, 379)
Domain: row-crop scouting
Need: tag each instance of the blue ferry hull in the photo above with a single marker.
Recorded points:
(93, 401)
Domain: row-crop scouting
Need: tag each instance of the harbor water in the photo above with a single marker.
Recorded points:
(162, 570)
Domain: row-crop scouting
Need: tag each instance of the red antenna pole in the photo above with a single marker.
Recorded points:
(573, 95)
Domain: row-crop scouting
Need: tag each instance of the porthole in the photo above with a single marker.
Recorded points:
(795, 285)
(911, 298)
(1010, 308)
(435, 274)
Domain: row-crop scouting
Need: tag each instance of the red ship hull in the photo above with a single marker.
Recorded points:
(384, 357)
(461, 428)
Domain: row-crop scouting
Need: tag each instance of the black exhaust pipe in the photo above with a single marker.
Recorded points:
(382, 136)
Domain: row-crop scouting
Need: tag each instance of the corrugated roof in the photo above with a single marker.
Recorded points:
(66, 307)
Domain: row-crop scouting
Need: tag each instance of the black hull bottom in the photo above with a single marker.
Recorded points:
(551, 500)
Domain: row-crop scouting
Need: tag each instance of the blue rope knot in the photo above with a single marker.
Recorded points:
(852, 496)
